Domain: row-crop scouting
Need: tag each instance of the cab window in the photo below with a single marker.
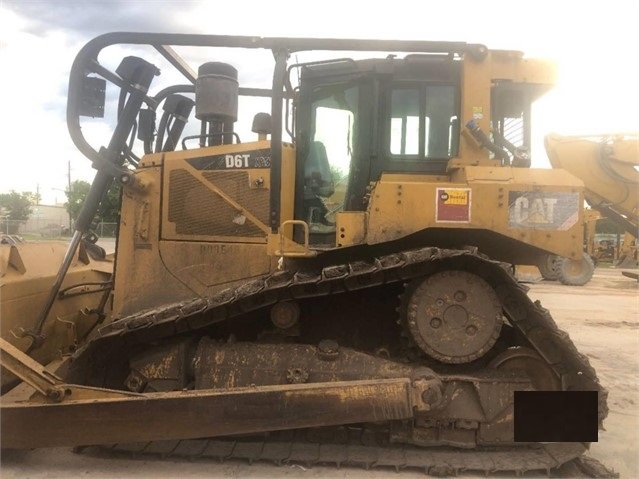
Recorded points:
(423, 122)
(327, 166)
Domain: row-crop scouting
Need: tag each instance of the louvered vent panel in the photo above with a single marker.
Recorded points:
(197, 210)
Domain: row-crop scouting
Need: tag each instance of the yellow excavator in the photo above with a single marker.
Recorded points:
(620, 252)
(607, 165)
(337, 289)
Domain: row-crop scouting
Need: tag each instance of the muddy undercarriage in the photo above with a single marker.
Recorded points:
(346, 370)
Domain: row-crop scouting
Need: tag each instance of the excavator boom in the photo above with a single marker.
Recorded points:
(607, 164)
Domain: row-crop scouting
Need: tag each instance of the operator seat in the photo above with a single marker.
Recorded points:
(318, 184)
(318, 179)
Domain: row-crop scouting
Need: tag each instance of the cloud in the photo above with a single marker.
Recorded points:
(39, 39)
(81, 19)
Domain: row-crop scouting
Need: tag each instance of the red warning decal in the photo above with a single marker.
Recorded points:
(453, 205)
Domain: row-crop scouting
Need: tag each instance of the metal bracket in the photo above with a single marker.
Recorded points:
(103, 164)
(50, 386)
(426, 390)
(290, 249)
(31, 372)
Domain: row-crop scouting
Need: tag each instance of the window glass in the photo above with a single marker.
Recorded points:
(441, 120)
(404, 139)
(334, 128)
(331, 150)
(507, 115)
(432, 108)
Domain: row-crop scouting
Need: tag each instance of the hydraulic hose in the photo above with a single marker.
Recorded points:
(482, 138)
(139, 74)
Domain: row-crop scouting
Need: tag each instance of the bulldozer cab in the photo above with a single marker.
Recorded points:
(356, 120)
(370, 117)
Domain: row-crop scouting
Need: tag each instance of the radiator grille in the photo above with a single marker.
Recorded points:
(197, 210)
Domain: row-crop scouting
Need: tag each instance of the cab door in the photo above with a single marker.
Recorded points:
(333, 149)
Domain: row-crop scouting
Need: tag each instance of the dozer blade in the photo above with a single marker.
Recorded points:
(202, 413)
(81, 415)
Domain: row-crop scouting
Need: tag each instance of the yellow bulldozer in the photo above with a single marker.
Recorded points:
(340, 282)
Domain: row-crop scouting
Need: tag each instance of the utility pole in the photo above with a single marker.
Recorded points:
(69, 192)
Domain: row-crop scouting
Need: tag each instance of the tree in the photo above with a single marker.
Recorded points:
(606, 225)
(76, 194)
(337, 173)
(16, 207)
(109, 208)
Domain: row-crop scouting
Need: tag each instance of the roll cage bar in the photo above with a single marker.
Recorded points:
(86, 63)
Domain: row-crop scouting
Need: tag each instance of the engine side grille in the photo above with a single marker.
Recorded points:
(197, 210)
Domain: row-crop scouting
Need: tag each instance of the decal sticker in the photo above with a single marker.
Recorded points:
(478, 113)
(233, 161)
(543, 210)
(453, 205)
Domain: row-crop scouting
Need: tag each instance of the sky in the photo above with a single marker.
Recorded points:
(594, 43)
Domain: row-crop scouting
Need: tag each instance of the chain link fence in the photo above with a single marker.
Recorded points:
(45, 229)
(106, 230)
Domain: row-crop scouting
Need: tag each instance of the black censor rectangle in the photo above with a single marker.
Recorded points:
(556, 416)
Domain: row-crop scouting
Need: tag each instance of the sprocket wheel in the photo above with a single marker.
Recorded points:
(453, 316)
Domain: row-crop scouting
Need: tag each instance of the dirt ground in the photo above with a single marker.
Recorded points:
(602, 318)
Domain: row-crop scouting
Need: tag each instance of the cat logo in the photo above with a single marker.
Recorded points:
(543, 210)
(535, 211)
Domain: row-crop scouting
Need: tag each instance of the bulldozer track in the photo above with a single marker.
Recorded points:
(535, 322)
(359, 450)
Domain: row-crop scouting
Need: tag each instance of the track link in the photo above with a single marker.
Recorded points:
(360, 452)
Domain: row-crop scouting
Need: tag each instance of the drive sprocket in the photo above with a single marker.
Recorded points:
(453, 316)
